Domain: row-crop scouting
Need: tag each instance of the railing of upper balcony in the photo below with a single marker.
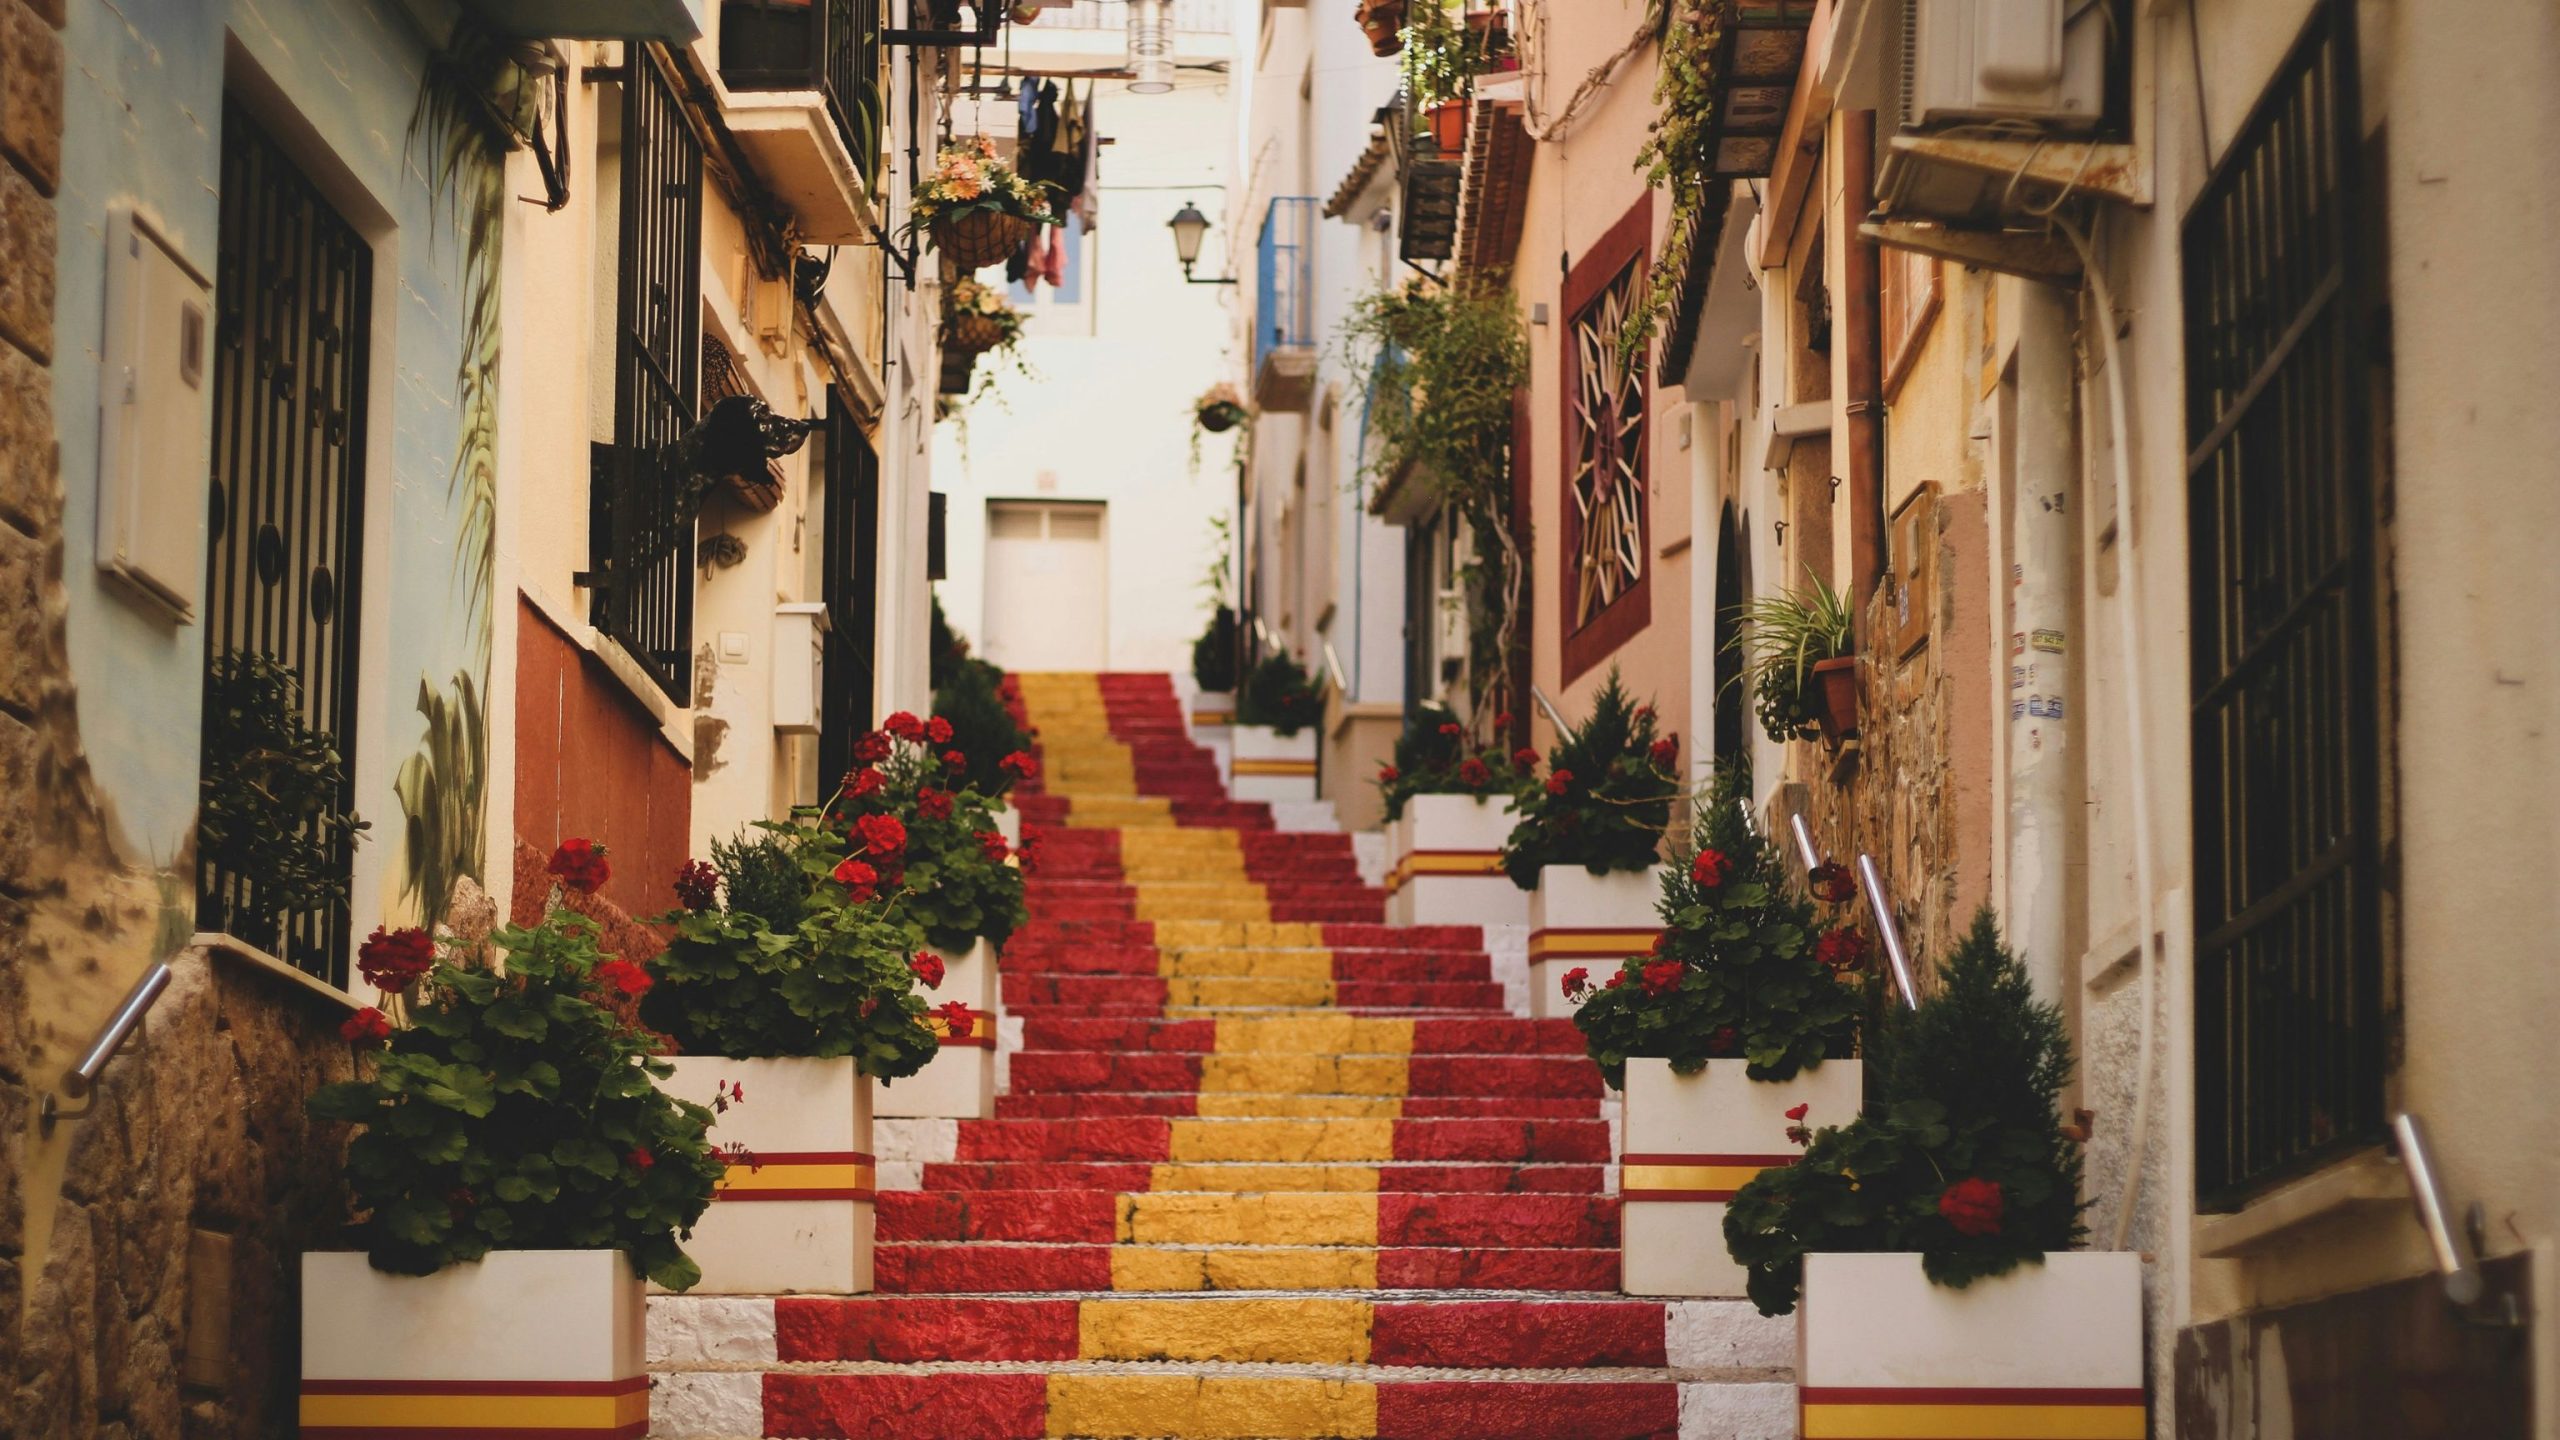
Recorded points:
(1189, 16)
(830, 46)
(1284, 290)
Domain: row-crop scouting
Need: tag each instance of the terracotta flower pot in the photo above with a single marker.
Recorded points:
(980, 238)
(1838, 679)
(1383, 22)
(1449, 126)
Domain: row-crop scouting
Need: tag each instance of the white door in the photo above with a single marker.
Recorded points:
(1048, 586)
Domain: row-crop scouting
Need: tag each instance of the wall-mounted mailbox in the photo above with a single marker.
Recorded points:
(155, 393)
(799, 666)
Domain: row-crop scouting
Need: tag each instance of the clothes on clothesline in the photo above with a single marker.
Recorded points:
(1057, 146)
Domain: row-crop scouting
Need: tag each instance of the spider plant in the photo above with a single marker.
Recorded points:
(1781, 637)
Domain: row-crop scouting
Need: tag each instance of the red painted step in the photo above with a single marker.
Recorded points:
(1393, 1178)
(974, 1269)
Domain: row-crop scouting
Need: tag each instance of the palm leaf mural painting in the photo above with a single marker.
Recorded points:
(454, 145)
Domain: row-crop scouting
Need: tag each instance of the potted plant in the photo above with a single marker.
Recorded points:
(1449, 810)
(1443, 55)
(1383, 22)
(1798, 664)
(1213, 669)
(790, 992)
(518, 1174)
(1275, 738)
(1588, 840)
(907, 813)
(977, 319)
(1219, 409)
(1927, 1243)
(1738, 1024)
(977, 209)
(984, 730)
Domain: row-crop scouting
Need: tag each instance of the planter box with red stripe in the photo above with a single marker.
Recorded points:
(1578, 920)
(959, 1082)
(1271, 766)
(794, 1214)
(1689, 1142)
(523, 1342)
(1444, 863)
(2045, 1350)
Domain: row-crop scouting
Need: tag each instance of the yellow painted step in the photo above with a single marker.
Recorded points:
(1300, 1107)
(1210, 1407)
(1255, 1219)
(1232, 993)
(1283, 1141)
(1235, 961)
(1263, 1332)
(1314, 1034)
(1152, 1267)
(1263, 1177)
(1228, 934)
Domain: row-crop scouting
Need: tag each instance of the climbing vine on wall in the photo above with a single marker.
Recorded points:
(1679, 150)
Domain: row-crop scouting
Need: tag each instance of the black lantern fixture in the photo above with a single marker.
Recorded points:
(1189, 228)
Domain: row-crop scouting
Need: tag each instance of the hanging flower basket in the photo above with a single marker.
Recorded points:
(1383, 22)
(1220, 418)
(975, 334)
(979, 238)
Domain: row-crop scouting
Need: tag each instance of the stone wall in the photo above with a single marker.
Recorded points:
(177, 1204)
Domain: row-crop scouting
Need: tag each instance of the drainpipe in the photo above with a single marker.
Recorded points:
(1861, 326)
(2044, 533)
(1706, 457)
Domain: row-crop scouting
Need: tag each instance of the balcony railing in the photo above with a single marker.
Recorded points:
(1189, 17)
(830, 46)
(1284, 305)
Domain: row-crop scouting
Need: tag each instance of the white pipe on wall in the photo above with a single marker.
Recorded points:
(1706, 457)
(2044, 533)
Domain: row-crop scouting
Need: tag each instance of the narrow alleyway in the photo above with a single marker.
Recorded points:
(1267, 1167)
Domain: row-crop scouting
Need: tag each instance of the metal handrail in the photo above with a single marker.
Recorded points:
(2455, 1260)
(1555, 717)
(1871, 880)
(1333, 669)
(81, 1078)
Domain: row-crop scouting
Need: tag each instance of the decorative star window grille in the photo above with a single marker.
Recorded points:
(1608, 456)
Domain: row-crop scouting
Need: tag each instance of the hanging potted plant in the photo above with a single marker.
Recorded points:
(977, 319)
(517, 1176)
(1219, 409)
(976, 208)
(1449, 808)
(785, 999)
(908, 809)
(1726, 1035)
(1928, 1241)
(1798, 663)
(1383, 22)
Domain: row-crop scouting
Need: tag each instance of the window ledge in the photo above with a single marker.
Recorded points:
(242, 953)
(2364, 1180)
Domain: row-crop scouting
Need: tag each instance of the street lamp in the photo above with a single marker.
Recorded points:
(1189, 228)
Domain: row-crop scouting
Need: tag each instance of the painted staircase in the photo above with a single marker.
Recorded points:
(1266, 1168)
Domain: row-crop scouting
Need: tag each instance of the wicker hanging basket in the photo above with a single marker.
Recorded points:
(980, 238)
(975, 334)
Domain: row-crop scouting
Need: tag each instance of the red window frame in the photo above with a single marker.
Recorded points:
(1586, 645)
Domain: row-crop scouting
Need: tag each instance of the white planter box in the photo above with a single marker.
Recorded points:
(796, 1216)
(2051, 1349)
(1212, 710)
(1687, 1143)
(1581, 920)
(1272, 766)
(959, 1082)
(1444, 863)
(1009, 825)
(525, 1339)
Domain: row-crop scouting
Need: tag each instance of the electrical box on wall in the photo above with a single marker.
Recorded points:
(155, 395)
(799, 666)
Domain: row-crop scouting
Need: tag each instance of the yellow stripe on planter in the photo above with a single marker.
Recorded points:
(1212, 1407)
(843, 1176)
(1444, 862)
(1709, 1181)
(1244, 1332)
(1589, 944)
(1961, 1421)
(1282, 769)
(463, 1407)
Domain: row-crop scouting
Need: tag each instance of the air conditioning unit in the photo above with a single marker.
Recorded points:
(2042, 63)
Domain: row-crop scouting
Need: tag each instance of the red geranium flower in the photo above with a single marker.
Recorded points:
(991, 843)
(1559, 781)
(1576, 981)
(904, 725)
(1388, 774)
(938, 730)
(871, 749)
(1028, 853)
(954, 760)
(1973, 1206)
(865, 781)
(1502, 720)
(1452, 728)
(882, 835)
(1021, 764)
(1800, 1133)
(1665, 751)
(1660, 938)
(858, 877)
(1525, 757)
(393, 960)
(928, 967)
(697, 886)
(1724, 1042)
(1661, 975)
(957, 1021)
(1831, 882)
(1473, 773)
(1798, 1112)
(580, 866)
(1616, 980)
(1843, 948)
(934, 804)
(641, 1159)
(624, 976)
(1710, 868)
(367, 1026)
